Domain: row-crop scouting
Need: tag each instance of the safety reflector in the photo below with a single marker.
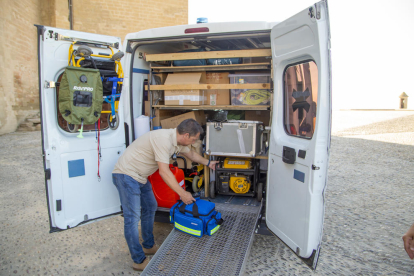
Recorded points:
(187, 230)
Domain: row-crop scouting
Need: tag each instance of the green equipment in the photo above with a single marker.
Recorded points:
(81, 95)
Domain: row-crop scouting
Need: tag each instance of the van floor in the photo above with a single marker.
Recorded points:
(224, 253)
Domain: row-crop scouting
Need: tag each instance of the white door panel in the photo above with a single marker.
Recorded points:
(75, 192)
(300, 135)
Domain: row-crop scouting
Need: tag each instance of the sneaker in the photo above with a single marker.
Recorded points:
(150, 251)
(141, 266)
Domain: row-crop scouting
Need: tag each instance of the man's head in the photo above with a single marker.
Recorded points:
(188, 132)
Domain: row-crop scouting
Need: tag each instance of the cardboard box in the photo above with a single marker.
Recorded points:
(197, 147)
(173, 122)
(218, 96)
(146, 108)
(161, 114)
(258, 115)
(185, 97)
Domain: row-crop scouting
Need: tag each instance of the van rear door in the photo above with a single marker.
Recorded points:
(300, 135)
(78, 183)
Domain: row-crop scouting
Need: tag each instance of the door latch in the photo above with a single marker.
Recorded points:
(289, 155)
(218, 126)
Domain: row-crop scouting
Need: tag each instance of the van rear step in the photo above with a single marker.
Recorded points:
(224, 253)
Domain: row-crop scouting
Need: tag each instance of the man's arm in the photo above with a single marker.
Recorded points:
(170, 180)
(195, 157)
(408, 242)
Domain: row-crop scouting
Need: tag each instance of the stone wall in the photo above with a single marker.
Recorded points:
(18, 48)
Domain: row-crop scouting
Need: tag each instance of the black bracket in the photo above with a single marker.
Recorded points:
(289, 155)
(59, 205)
(48, 174)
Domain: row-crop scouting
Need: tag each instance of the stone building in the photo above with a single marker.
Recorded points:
(19, 93)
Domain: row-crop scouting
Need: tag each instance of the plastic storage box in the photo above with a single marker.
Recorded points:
(250, 96)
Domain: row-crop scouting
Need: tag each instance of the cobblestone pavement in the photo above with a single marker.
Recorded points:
(369, 207)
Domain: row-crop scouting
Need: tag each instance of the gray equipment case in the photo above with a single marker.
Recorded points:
(234, 138)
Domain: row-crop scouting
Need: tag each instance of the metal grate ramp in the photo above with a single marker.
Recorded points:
(223, 253)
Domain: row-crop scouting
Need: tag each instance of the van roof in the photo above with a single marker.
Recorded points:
(213, 28)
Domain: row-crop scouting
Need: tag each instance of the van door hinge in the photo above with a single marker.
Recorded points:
(318, 10)
(311, 12)
(50, 84)
(315, 168)
(48, 174)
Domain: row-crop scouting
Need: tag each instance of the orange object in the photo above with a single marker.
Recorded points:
(164, 195)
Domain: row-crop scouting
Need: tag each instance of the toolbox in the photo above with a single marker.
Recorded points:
(234, 138)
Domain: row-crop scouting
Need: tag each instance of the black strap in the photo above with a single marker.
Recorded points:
(67, 112)
(93, 62)
(95, 113)
(219, 222)
(179, 201)
(194, 212)
(182, 208)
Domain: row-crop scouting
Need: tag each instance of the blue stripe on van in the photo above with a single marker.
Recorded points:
(140, 71)
(299, 176)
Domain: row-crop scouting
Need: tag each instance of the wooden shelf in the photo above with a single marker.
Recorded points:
(214, 107)
(210, 86)
(202, 68)
(209, 55)
(256, 157)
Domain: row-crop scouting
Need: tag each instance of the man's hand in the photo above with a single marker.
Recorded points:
(199, 159)
(213, 165)
(187, 198)
(408, 239)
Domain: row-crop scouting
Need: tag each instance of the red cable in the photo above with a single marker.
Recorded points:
(99, 141)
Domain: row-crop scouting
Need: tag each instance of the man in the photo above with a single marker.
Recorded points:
(142, 158)
(408, 239)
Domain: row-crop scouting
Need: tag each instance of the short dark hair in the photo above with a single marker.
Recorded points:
(189, 126)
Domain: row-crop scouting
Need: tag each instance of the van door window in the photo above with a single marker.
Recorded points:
(300, 93)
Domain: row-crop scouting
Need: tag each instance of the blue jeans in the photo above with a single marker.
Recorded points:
(137, 201)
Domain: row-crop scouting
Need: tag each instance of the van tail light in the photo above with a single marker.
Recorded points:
(197, 30)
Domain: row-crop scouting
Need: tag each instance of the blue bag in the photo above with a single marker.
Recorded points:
(196, 219)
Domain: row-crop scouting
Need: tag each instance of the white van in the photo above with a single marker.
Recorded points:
(295, 53)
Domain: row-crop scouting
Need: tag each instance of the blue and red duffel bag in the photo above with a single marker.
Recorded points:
(196, 219)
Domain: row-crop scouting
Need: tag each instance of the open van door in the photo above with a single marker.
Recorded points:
(78, 183)
(301, 127)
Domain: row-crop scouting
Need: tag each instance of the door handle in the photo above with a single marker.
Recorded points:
(289, 155)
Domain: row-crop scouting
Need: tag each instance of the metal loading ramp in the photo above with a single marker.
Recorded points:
(224, 253)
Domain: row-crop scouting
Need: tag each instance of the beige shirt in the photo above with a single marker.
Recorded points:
(140, 159)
